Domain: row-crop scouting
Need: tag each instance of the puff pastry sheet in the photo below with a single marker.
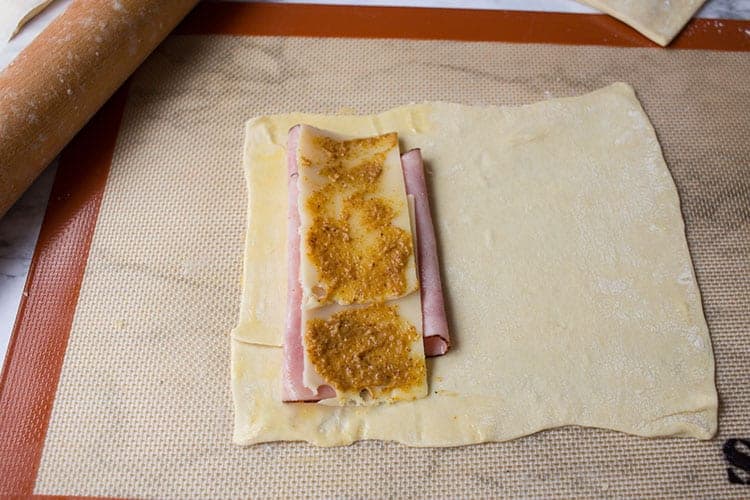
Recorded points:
(570, 288)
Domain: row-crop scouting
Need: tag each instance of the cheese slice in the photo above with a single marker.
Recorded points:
(356, 239)
(409, 354)
(361, 307)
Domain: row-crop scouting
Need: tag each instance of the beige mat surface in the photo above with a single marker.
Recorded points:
(144, 407)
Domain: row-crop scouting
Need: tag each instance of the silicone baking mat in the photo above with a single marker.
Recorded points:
(117, 378)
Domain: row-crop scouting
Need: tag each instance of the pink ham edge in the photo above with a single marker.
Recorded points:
(434, 321)
(292, 387)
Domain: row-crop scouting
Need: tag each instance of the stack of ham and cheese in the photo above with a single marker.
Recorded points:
(365, 301)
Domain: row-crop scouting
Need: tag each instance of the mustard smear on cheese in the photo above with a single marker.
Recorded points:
(361, 310)
(365, 350)
(355, 232)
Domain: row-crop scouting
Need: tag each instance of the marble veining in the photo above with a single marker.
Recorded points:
(18, 234)
(726, 9)
(20, 227)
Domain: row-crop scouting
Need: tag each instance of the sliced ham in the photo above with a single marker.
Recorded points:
(434, 320)
(292, 387)
(435, 325)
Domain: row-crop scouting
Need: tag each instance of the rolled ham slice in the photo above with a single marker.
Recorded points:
(434, 321)
(435, 325)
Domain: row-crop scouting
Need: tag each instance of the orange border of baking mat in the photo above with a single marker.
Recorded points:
(37, 347)
(234, 18)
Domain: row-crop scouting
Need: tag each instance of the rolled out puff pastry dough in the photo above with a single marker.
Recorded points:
(658, 20)
(571, 291)
(14, 14)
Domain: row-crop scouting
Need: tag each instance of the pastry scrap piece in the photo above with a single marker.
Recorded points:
(14, 14)
(360, 325)
(659, 20)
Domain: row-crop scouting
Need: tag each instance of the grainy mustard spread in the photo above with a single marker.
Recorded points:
(362, 348)
(360, 255)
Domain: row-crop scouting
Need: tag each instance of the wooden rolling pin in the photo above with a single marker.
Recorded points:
(65, 75)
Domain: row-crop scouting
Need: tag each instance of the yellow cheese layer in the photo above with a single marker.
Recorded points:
(356, 242)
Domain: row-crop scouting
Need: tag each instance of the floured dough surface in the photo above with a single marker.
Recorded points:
(659, 20)
(569, 283)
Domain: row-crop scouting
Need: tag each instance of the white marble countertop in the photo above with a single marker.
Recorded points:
(20, 226)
